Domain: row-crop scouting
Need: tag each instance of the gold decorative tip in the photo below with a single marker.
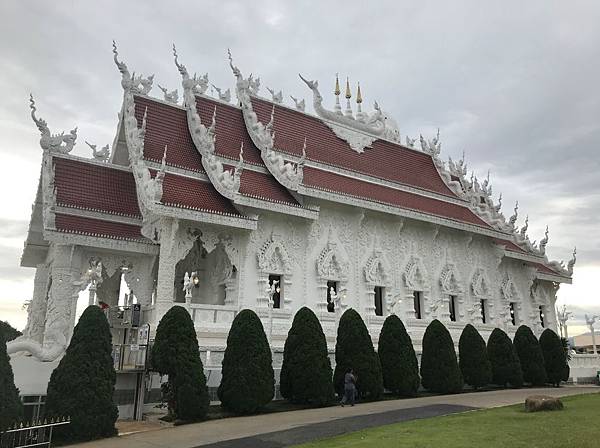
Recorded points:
(348, 93)
(337, 85)
(358, 95)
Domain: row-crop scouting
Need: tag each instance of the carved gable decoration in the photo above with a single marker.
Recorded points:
(449, 280)
(273, 256)
(509, 290)
(377, 269)
(415, 275)
(332, 263)
(480, 284)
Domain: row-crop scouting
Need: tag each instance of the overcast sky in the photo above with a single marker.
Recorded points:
(514, 84)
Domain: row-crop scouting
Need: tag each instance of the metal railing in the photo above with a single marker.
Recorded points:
(33, 434)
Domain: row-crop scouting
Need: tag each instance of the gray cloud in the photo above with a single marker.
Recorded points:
(511, 83)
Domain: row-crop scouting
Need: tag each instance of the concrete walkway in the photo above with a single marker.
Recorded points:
(230, 429)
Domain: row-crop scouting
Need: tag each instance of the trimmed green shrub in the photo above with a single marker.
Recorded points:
(354, 350)
(506, 368)
(555, 359)
(306, 375)
(473, 358)
(398, 359)
(530, 356)
(439, 366)
(83, 384)
(8, 331)
(11, 409)
(248, 381)
(175, 353)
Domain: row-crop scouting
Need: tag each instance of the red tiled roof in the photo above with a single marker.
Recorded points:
(98, 228)
(167, 125)
(385, 160)
(230, 130)
(545, 269)
(265, 186)
(330, 181)
(185, 192)
(89, 186)
(510, 246)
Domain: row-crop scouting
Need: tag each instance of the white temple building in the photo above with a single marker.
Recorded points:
(220, 205)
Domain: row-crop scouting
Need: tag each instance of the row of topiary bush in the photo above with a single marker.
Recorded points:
(82, 386)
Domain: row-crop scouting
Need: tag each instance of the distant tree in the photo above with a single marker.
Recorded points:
(354, 350)
(473, 358)
(439, 366)
(175, 353)
(398, 359)
(555, 359)
(506, 368)
(11, 409)
(306, 375)
(530, 356)
(8, 331)
(83, 384)
(248, 381)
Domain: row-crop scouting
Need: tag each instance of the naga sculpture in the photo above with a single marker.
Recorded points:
(54, 143)
(102, 155)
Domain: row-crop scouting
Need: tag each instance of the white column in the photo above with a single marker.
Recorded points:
(166, 269)
(36, 312)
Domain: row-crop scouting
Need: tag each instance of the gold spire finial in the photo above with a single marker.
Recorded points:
(348, 93)
(337, 85)
(358, 95)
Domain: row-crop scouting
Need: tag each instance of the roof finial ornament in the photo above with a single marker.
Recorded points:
(303, 157)
(240, 163)
(58, 143)
(513, 219)
(359, 113)
(101, 155)
(276, 97)
(338, 107)
(348, 112)
(300, 104)
(572, 262)
(135, 84)
(169, 97)
(544, 242)
(410, 142)
(223, 96)
(525, 227)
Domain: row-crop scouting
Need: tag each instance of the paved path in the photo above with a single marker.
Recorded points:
(266, 430)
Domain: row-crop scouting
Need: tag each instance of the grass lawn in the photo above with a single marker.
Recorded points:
(577, 426)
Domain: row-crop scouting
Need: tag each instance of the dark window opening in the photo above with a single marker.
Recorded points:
(417, 304)
(482, 199)
(542, 316)
(513, 317)
(452, 308)
(378, 301)
(483, 310)
(278, 290)
(330, 303)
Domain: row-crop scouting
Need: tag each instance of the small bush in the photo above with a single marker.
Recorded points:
(473, 358)
(439, 366)
(506, 368)
(530, 356)
(11, 409)
(555, 358)
(175, 353)
(248, 381)
(83, 384)
(398, 359)
(354, 350)
(8, 331)
(306, 375)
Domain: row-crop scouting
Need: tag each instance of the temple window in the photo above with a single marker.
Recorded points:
(483, 307)
(513, 315)
(452, 308)
(542, 316)
(378, 300)
(277, 295)
(331, 286)
(418, 304)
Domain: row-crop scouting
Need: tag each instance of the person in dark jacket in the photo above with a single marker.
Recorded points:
(349, 388)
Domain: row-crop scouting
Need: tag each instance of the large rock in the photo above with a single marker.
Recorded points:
(542, 403)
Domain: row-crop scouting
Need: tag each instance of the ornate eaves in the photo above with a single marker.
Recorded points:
(227, 182)
(287, 173)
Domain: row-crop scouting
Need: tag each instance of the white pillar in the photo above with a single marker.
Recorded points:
(36, 311)
(167, 261)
